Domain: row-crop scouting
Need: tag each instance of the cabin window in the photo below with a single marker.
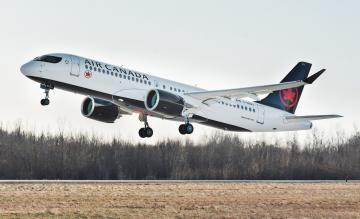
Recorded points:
(164, 87)
(86, 66)
(90, 68)
(103, 71)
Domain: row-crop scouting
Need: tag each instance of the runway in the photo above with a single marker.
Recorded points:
(181, 181)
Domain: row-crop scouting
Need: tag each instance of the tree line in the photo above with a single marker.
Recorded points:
(24, 155)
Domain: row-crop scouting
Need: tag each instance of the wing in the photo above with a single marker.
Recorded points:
(309, 118)
(251, 92)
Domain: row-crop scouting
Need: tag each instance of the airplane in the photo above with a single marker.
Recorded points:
(114, 91)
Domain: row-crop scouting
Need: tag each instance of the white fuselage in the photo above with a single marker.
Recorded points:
(127, 89)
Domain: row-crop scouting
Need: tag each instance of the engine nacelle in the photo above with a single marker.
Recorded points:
(100, 110)
(164, 103)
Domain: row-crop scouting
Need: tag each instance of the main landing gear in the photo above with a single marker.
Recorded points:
(186, 128)
(145, 132)
(46, 87)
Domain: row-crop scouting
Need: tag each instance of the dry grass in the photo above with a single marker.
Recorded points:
(180, 200)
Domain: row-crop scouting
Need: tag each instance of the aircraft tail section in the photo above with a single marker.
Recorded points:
(288, 99)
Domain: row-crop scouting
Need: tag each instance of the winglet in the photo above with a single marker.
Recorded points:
(313, 77)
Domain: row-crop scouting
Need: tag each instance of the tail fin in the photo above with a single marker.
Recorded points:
(288, 99)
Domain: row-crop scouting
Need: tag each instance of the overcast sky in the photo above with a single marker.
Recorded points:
(213, 44)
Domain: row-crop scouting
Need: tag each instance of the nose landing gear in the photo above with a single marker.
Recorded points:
(47, 88)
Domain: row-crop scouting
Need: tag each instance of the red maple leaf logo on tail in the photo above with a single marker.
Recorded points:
(289, 97)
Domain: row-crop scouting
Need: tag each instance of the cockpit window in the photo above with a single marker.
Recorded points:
(47, 58)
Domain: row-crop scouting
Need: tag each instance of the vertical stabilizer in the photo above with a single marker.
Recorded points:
(288, 99)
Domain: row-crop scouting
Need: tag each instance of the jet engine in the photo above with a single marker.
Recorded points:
(164, 103)
(100, 110)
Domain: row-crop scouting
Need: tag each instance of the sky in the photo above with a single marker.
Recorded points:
(210, 44)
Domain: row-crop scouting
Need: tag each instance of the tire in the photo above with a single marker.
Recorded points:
(142, 133)
(182, 129)
(45, 102)
(189, 128)
(149, 132)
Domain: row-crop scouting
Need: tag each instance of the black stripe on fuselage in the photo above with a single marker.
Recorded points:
(131, 102)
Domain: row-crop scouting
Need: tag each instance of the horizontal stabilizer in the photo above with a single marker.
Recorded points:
(309, 118)
(313, 77)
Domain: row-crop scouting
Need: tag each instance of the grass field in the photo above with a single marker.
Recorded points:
(180, 200)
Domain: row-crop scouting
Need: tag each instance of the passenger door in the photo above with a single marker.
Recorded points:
(75, 66)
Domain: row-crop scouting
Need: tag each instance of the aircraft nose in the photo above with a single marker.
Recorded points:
(25, 69)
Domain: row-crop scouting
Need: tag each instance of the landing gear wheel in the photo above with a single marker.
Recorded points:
(149, 132)
(45, 102)
(146, 132)
(142, 133)
(182, 129)
(189, 128)
(186, 129)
